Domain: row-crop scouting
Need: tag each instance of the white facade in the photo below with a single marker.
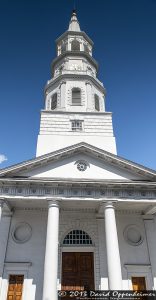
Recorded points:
(76, 183)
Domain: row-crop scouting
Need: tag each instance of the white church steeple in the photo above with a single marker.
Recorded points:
(74, 97)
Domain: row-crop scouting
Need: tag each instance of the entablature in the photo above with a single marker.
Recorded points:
(83, 189)
(74, 54)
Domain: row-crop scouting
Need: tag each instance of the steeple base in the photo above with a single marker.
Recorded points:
(60, 129)
(50, 143)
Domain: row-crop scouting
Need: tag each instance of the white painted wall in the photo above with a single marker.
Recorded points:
(56, 133)
(4, 232)
(150, 227)
(59, 123)
(32, 251)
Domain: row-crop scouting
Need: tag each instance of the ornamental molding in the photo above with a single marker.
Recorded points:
(94, 113)
(29, 188)
(63, 82)
(34, 209)
(7, 214)
(82, 165)
(17, 265)
(76, 76)
(102, 155)
(133, 235)
(2, 203)
(141, 268)
(62, 210)
(21, 232)
(83, 225)
(78, 210)
(70, 53)
(88, 83)
(68, 34)
(76, 38)
(34, 190)
(118, 212)
(128, 212)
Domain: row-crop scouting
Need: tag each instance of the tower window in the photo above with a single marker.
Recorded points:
(76, 96)
(86, 49)
(75, 45)
(97, 103)
(54, 102)
(63, 48)
(76, 125)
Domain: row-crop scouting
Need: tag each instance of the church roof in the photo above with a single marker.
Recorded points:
(87, 149)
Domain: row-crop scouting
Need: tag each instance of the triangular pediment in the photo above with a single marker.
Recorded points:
(65, 163)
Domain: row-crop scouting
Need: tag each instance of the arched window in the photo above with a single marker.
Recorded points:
(54, 102)
(77, 237)
(97, 103)
(76, 96)
(75, 45)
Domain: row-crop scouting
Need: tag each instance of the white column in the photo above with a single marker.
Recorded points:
(150, 228)
(112, 247)
(1, 206)
(51, 253)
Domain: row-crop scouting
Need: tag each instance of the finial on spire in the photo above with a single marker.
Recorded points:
(74, 24)
(74, 4)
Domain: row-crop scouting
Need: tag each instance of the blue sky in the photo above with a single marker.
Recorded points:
(124, 35)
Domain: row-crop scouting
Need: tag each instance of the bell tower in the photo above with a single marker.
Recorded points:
(74, 109)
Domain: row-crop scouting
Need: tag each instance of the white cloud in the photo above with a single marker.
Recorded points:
(2, 158)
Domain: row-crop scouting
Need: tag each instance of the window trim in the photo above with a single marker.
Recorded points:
(135, 270)
(16, 268)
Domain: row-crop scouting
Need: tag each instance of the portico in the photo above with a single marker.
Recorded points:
(51, 254)
(96, 217)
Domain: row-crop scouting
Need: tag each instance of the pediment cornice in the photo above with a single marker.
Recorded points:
(112, 159)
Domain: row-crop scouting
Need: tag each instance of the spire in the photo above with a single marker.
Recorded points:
(74, 24)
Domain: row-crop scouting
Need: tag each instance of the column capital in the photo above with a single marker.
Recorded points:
(87, 82)
(62, 82)
(52, 202)
(1, 202)
(108, 204)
